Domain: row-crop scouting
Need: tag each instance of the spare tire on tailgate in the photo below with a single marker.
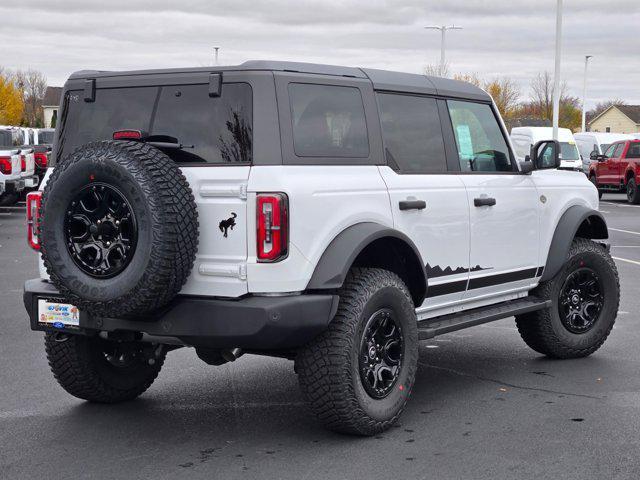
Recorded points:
(119, 228)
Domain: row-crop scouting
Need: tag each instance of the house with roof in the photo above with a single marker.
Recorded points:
(617, 119)
(50, 105)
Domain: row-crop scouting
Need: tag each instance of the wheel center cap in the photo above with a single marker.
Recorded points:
(575, 299)
(372, 352)
(93, 229)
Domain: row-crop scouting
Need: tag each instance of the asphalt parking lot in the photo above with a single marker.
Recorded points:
(484, 405)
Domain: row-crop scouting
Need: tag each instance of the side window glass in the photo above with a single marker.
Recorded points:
(547, 156)
(479, 139)
(412, 133)
(609, 152)
(634, 150)
(619, 150)
(328, 121)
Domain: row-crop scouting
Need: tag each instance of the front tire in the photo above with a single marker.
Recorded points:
(633, 194)
(8, 199)
(593, 180)
(585, 296)
(102, 371)
(357, 376)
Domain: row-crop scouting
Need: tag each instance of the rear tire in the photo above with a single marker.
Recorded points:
(338, 370)
(633, 194)
(90, 368)
(568, 329)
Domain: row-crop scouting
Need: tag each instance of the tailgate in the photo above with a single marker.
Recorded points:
(30, 162)
(221, 262)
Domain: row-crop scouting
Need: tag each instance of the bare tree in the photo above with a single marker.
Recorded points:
(542, 94)
(33, 85)
(434, 70)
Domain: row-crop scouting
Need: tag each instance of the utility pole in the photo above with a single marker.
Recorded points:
(556, 77)
(443, 30)
(584, 93)
(215, 54)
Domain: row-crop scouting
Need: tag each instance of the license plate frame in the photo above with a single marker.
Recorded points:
(53, 313)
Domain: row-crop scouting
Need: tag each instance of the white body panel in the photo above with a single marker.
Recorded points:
(523, 138)
(440, 231)
(323, 201)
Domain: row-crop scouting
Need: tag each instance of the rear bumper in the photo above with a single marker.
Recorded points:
(260, 323)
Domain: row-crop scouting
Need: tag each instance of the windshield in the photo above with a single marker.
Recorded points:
(45, 137)
(207, 129)
(569, 151)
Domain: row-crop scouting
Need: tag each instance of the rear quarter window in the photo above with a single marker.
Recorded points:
(213, 130)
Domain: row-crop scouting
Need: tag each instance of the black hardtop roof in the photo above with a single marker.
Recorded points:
(381, 79)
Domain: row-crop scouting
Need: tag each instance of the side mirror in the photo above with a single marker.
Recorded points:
(546, 154)
(593, 155)
(601, 158)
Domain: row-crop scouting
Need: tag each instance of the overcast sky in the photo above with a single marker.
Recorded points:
(512, 38)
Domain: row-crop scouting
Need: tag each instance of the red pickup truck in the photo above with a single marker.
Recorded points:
(618, 169)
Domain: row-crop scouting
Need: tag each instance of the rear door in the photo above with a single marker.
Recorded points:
(217, 133)
(428, 205)
(502, 203)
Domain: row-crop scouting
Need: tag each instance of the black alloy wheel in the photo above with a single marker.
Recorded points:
(380, 354)
(101, 231)
(581, 300)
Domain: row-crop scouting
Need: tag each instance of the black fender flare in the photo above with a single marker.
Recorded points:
(579, 221)
(333, 266)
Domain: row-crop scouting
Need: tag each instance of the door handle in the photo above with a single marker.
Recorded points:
(484, 202)
(412, 204)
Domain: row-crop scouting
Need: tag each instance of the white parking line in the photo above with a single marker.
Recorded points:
(625, 246)
(621, 205)
(626, 260)
(624, 231)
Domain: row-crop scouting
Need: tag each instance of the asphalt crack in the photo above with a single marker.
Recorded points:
(507, 384)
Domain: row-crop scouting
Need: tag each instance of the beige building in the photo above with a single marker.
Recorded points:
(50, 104)
(617, 119)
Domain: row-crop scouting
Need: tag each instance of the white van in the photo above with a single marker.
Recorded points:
(589, 142)
(523, 138)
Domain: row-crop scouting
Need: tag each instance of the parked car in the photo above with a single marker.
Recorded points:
(11, 181)
(618, 169)
(598, 142)
(329, 215)
(43, 141)
(523, 138)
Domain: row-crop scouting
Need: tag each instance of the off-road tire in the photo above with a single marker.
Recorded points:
(8, 199)
(79, 366)
(167, 224)
(633, 194)
(543, 330)
(328, 368)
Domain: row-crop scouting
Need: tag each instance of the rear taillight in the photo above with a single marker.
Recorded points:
(33, 219)
(127, 135)
(23, 163)
(41, 159)
(273, 226)
(5, 165)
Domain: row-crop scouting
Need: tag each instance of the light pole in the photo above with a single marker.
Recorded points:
(215, 54)
(584, 93)
(556, 77)
(443, 30)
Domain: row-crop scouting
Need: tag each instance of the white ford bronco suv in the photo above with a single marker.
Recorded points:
(329, 215)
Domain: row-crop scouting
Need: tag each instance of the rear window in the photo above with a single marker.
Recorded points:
(328, 121)
(212, 130)
(11, 138)
(5, 139)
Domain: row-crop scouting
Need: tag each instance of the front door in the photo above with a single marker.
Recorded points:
(503, 205)
(428, 206)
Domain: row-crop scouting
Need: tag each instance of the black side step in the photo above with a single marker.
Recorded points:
(435, 326)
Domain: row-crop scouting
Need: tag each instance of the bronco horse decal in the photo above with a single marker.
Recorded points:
(227, 224)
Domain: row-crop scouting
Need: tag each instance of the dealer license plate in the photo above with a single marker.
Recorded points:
(58, 315)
